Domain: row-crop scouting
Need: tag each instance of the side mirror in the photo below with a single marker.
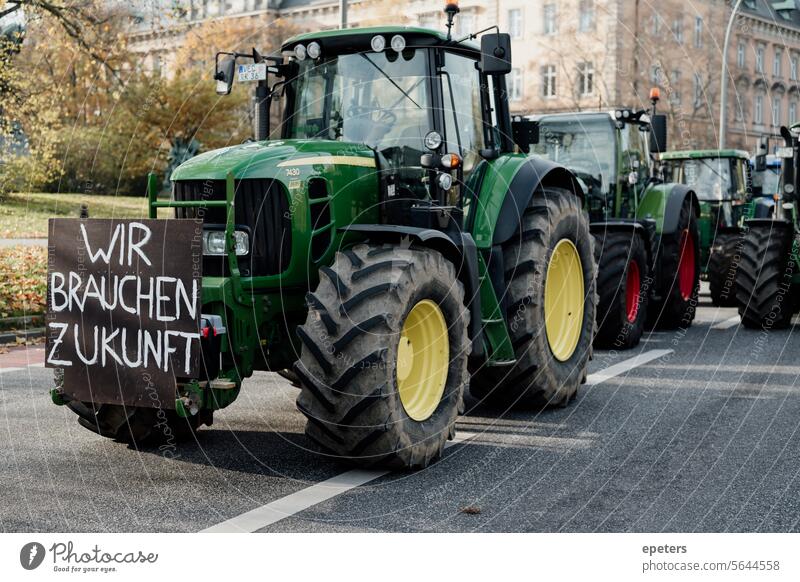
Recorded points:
(658, 134)
(525, 133)
(496, 54)
(223, 75)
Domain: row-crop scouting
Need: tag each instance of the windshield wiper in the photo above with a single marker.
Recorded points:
(382, 72)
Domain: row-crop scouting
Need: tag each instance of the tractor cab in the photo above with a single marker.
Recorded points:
(607, 151)
(427, 108)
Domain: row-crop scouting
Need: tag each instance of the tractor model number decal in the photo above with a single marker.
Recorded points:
(292, 172)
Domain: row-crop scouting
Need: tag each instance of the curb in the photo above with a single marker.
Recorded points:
(10, 337)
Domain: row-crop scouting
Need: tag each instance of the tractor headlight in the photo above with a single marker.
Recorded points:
(300, 52)
(214, 242)
(378, 43)
(445, 181)
(398, 43)
(314, 50)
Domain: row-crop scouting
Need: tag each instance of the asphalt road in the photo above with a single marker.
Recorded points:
(704, 438)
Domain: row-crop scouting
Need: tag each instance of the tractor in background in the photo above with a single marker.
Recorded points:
(721, 180)
(645, 229)
(393, 246)
(768, 278)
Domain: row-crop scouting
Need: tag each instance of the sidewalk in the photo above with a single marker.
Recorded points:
(25, 242)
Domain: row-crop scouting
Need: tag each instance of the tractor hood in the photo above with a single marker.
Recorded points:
(263, 159)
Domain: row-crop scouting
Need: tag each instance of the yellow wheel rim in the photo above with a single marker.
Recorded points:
(563, 300)
(423, 356)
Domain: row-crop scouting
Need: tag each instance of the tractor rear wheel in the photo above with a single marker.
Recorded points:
(132, 424)
(722, 266)
(383, 365)
(680, 274)
(622, 272)
(764, 276)
(551, 302)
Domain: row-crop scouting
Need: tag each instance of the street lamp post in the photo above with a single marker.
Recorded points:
(723, 99)
(342, 14)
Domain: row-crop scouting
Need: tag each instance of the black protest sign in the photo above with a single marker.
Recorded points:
(123, 307)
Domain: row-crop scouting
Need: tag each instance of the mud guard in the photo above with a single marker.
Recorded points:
(463, 254)
(646, 228)
(672, 209)
(533, 174)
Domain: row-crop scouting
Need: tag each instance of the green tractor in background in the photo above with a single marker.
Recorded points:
(721, 179)
(768, 278)
(646, 231)
(393, 247)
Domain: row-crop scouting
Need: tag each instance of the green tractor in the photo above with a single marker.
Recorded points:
(393, 247)
(768, 277)
(646, 231)
(721, 179)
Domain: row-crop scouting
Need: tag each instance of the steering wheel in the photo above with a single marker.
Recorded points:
(374, 114)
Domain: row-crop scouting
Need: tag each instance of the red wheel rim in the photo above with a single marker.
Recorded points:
(632, 289)
(686, 267)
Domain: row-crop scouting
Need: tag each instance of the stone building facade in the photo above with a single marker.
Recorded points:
(579, 54)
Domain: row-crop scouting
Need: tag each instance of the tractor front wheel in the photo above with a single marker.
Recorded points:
(551, 301)
(383, 365)
(722, 266)
(622, 274)
(763, 281)
(679, 274)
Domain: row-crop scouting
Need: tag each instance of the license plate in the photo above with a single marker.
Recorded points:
(252, 72)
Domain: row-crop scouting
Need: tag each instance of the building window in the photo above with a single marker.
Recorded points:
(677, 29)
(740, 54)
(758, 110)
(675, 81)
(760, 59)
(655, 24)
(550, 19)
(586, 79)
(586, 15)
(698, 89)
(777, 61)
(655, 75)
(776, 111)
(793, 67)
(549, 81)
(698, 32)
(515, 85)
(515, 23)
(792, 112)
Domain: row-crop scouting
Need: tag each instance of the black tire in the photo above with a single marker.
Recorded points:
(538, 378)
(347, 367)
(617, 252)
(762, 281)
(722, 267)
(674, 310)
(130, 424)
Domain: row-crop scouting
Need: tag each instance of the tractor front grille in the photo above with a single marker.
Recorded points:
(261, 205)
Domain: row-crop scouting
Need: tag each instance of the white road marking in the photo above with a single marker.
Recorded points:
(728, 323)
(298, 501)
(287, 506)
(624, 366)
(4, 370)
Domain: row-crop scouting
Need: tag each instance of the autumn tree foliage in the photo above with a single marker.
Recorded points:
(80, 111)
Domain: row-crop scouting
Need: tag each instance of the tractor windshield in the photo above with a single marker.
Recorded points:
(378, 99)
(710, 178)
(768, 181)
(584, 144)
